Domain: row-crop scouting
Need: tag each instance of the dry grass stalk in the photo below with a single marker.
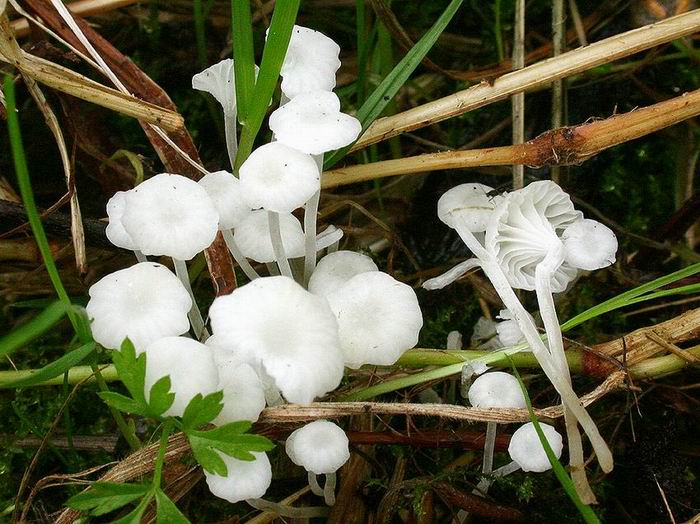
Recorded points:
(564, 146)
(518, 100)
(537, 75)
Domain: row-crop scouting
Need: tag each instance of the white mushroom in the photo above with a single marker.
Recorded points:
(310, 64)
(190, 366)
(335, 269)
(253, 236)
(274, 323)
(471, 202)
(509, 332)
(589, 245)
(144, 302)
(378, 317)
(226, 193)
(244, 480)
(484, 334)
(115, 231)
(321, 448)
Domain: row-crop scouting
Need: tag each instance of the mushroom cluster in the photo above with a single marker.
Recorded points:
(533, 239)
(286, 335)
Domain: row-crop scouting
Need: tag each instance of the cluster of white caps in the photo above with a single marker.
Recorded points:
(278, 338)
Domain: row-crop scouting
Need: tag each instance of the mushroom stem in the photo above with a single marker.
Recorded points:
(495, 274)
(313, 484)
(333, 247)
(238, 255)
(310, 211)
(451, 275)
(329, 489)
(288, 511)
(140, 257)
(277, 245)
(484, 484)
(489, 445)
(545, 300)
(231, 138)
(194, 314)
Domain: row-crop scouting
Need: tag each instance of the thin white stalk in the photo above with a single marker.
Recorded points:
(493, 271)
(329, 489)
(288, 511)
(194, 314)
(519, 98)
(238, 255)
(310, 212)
(451, 275)
(277, 245)
(548, 312)
(313, 484)
(272, 269)
(140, 257)
(231, 137)
(329, 237)
(484, 484)
(333, 247)
(489, 445)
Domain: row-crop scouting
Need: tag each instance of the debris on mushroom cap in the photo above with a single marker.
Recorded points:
(292, 334)
(115, 231)
(253, 236)
(526, 449)
(245, 479)
(170, 215)
(524, 227)
(279, 178)
(335, 269)
(144, 302)
(218, 80)
(190, 366)
(496, 389)
(379, 319)
(509, 333)
(320, 447)
(470, 202)
(226, 194)
(310, 64)
(312, 123)
(589, 245)
(244, 392)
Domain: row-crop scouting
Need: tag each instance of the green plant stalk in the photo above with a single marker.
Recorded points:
(42, 242)
(416, 358)
(498, 30)
(200, 33)
(165, 433)
(243, 56)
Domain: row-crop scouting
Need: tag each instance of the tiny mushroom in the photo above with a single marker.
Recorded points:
(144, 302)
(244, 479)
(378, 317)
(589, 245)
(115, 231)
(335, 269)
(320, 447)
(275, 324)
(190, 366)
(253, 236)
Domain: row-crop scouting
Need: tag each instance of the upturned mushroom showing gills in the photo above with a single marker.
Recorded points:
(173, 216)
(379, 319)
(292, 335)
(144, 302)
(321, 448)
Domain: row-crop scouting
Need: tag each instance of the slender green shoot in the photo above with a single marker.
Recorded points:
(243, 56)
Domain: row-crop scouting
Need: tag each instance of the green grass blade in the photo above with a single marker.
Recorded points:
(280, 32)
(388, 88)
(586, 512)
(243, 56)
(33, 329)
(55, 368)
(200, 33)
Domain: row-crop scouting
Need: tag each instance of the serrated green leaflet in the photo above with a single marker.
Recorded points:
(166, 510)
(131, 370)
(104, 497)
(387, 89)
(160, 398)
(202, 410)
(55, 368)
(123, 403)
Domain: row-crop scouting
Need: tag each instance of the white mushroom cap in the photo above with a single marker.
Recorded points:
(170, 215)
(523, 229)
(115, 232)
(320, 447)
(253, 236)
(508, 330)
(244, 392)
(244, 480)
(292, 334)
(335, 269)
(190, 365)
(311, 63)
(589, 245)
(218, 80)
(278, 178)
(144, 302)
(526, 449)
(226, 194)
(312, 123)
(496, 389)
(378, 317)
(471, 203)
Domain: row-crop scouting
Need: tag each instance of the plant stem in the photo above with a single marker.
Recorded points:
(310, 211)
(124, 428)
(165, 433)
(313, 484)
(231, 138)
(489, 445)
(518, 99)
(329, 489)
